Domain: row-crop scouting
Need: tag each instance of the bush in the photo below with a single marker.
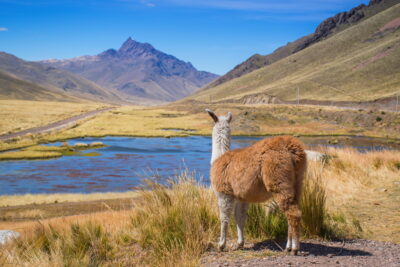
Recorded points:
(176, 223)
(262, 223)
(81, 245)
(313, 208)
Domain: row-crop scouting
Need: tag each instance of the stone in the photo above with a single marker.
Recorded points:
(7, 235)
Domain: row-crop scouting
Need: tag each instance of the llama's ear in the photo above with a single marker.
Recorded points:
(212, 114)
(229, 117)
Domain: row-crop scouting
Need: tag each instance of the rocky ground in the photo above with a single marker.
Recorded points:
(314, 253)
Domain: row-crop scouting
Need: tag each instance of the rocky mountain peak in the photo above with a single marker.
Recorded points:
(109, 53)
(132, 47)
(374, 2)
(139, 70)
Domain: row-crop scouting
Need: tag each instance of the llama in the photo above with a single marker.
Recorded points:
(273, 167)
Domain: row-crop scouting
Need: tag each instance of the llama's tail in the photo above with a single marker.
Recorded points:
(299, 159)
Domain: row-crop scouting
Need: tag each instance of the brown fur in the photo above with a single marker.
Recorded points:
(273, 167)
(270, 166)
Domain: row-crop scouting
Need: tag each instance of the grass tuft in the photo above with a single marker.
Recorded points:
(265, 222)
(313, 207)
(81, 245)
(176, 223)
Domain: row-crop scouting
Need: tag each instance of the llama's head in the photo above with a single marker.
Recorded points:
(221, 135)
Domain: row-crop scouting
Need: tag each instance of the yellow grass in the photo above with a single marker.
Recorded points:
(190, 119)
(30, 155)
(16, 200)
(264, 120)
(142, 122)
(361, 191)
(17, 115)
(365, 186)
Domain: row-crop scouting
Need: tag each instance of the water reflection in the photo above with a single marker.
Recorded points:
(125, 161)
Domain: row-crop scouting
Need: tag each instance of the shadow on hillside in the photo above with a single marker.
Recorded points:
(315, 249)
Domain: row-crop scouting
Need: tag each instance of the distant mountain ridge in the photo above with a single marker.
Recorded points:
(358, 64)
(22, 79)
(325, 29)
(138, 69)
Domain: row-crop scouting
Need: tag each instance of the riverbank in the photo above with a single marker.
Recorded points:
(179, 120)
(362, 196)
(361, 186)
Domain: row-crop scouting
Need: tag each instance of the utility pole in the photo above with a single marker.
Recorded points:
(298, 95)
(397, 104)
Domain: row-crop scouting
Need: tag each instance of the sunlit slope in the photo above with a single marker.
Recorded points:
(54, 81)
(13, 88)
(358, 64)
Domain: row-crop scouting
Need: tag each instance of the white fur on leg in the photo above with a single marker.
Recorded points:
(225, 203)
(295, 244)
(240, 217)
(289, 240)
(289, 244)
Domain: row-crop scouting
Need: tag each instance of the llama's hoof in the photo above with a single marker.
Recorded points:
(221, 247)
(287, 250)
(294, 252)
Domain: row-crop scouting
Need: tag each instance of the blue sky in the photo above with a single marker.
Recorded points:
(214, 35)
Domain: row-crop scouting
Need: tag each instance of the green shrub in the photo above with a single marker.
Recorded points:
(263, 224)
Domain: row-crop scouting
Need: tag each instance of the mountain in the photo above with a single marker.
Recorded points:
(359, 63)
(22, 79)
(140, 70)
(13, 88)
(325, 29)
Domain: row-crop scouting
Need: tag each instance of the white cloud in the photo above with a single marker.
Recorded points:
(147, 3)
(3, 29)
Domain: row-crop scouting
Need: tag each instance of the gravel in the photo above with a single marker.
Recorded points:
(314, 253)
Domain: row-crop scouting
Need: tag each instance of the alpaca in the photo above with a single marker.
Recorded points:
(273, 167)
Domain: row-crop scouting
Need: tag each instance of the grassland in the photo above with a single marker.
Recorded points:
(183, 119)
(47, 152)
(358, 64)
(164, 229)
(17, 115)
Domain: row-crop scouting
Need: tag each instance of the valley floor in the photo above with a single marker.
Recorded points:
(364, 188)
(187, 118)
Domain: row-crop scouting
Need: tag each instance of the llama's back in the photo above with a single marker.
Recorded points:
(282, 144)
(284, 147)
(239, 172)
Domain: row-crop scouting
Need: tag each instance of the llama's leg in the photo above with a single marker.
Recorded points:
(240, 217)
(225, 203)
(293, 215)
(289, 240)
(279, 177)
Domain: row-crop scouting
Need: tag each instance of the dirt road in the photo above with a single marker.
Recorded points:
(55, 125)
(314, 253)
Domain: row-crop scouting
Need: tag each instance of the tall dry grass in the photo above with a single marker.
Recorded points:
(175, 223)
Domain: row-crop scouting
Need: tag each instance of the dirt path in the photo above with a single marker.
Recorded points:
(55, 125)
(14, 214)
(314, 253)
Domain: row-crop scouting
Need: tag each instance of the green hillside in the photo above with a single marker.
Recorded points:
(360, 63)
(14, 88)
(325, 29)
